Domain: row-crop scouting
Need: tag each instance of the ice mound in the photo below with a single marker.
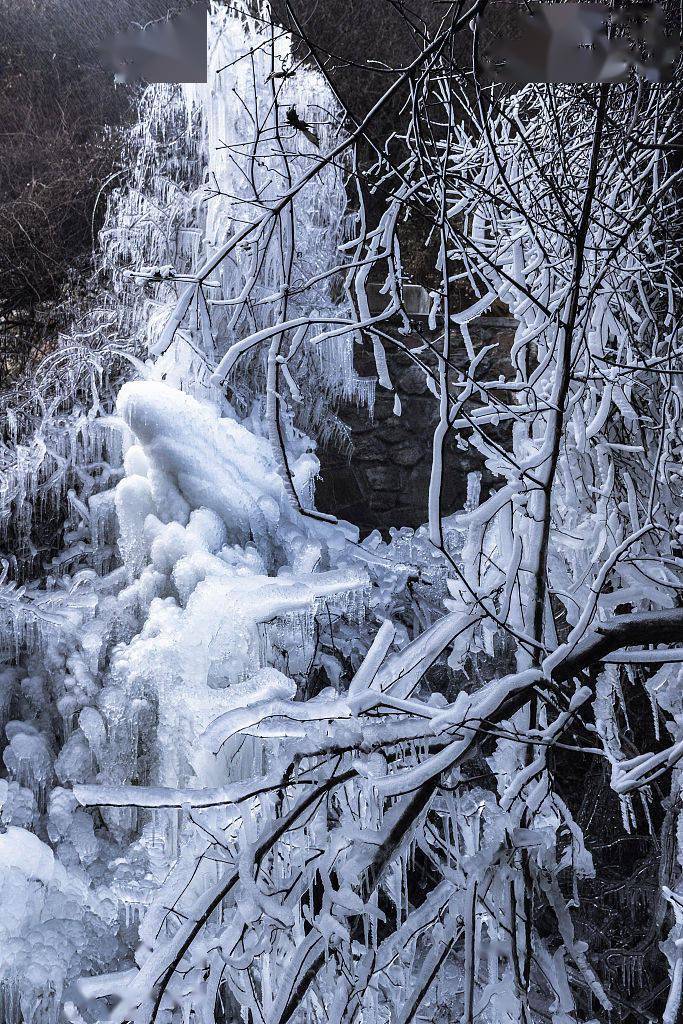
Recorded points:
(21, 849)
(202, 460)
(216, 639)
(226, 575)
(52, 929)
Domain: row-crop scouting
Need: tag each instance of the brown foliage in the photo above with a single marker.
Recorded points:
(59, 111)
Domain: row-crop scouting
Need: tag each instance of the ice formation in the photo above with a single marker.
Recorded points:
(188, 579)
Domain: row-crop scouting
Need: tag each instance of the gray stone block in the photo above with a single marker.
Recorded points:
(413, 382)
(409, 451)
(384, 477)
(370, 447)
(393, 430)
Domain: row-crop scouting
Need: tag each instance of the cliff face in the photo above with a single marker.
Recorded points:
(383, 480)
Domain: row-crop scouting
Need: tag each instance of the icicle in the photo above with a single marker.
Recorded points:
(655, 712)
(473, 491)
(10, 1007)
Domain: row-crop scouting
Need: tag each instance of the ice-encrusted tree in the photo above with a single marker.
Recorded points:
(298, 815)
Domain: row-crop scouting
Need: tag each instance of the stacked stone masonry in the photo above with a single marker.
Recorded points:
(383, 481)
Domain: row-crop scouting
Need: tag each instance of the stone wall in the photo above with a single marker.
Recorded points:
(384, 480)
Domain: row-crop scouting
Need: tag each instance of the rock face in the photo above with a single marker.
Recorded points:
(384, 480)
